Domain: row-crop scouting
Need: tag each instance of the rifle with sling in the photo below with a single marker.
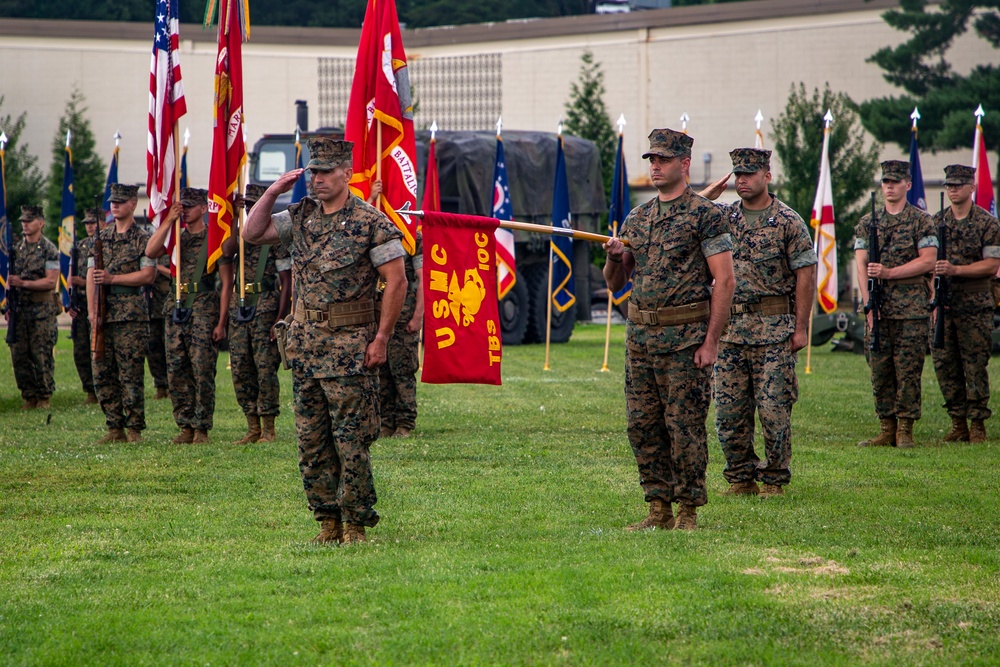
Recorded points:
(875, 294)
(942, 285)
(97, 339)
(13, 294)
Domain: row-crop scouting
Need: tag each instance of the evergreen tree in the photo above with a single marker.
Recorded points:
(587, 117)
(946, 99)
(89, 172)
(22, 178)
(798, 143)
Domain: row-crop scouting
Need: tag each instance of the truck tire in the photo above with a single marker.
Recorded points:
(514, 312)
(537, 282)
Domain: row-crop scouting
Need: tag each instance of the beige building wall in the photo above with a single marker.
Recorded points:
(719, 64)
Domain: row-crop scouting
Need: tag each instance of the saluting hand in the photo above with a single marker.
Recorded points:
(285, 182)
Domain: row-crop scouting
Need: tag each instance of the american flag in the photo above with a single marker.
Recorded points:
(166, 106)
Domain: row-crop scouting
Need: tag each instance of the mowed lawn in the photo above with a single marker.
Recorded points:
(501, 540)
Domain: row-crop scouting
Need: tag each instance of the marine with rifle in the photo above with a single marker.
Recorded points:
(117, 270)
(897, 318)
(34, 305)
(972, 259)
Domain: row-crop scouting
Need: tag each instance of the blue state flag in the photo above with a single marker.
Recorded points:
(916, 194)
(6, 238)
(67, 232)
(621, 204)
(299, 190)
(561, 247)
(112, 179)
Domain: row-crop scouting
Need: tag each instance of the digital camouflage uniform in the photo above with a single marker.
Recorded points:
(81, 324)
(253, 355)
(398, 375)
(667, 396)
(37, 331)
(334, 260)
(119, 376)
(191, 352)
(755, 369)
(897, 367)
(961, 365)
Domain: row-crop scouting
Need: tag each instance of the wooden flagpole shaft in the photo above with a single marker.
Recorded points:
(548, 315)
(607, 326)
(540, 229)
(177, 222)
(378, 159)
(241, 188)
(812, 311)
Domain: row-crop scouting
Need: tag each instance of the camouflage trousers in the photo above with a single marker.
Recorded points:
(398, 380)
(156, 356)
(336, 420)
(119, 376)
(254, 359)
(191, 360)
(761, 379)
(32, 356)
(667, 399)
(897, 367)
(961, 365)
(82, 356)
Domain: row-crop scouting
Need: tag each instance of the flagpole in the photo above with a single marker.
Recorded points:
(548, 315)
(827, 119)
(241, 188)
(378, 159)
(614, 233)
(177, 222)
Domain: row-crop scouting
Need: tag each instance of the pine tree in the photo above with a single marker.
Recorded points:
(798, 135)
(88, 168)
(587, 117)
(22, 178)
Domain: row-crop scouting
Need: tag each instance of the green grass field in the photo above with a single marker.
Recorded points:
(501, 540)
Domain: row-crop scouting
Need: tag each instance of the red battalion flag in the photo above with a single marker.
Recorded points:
(462, 317)
(823, 220)
(229, 153)
(166, 106)
(380, 119)
(982, 195)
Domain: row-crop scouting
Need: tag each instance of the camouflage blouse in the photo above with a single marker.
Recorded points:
(970, 240)
(766, 254)
(900, 239)
(124, 253)
(31, 262)
(334, 260)
(278, 259)
(206, 302)
(669, 247)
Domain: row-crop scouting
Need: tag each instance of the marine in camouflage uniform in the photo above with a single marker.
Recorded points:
(253, 350)
(973, 245)
(678, 242)
(398, 376)
(775, 268)
(118, 373)
(192, 345)
(34, 273)
(78, 309)
(339, 246)
(907, 244)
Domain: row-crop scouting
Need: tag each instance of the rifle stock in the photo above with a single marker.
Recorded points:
(874, 305)
(941, 286)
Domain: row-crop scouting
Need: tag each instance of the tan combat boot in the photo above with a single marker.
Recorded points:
(977, 431)
(268, 434)
(353, 533)
(886, 436)
(386, 432)
(401, 432)
(661, 516)
(904, 434)
(742, 489)
(161, 392)
(200, 437)
(332, 530)
(91, 398)
(959, 430)
(768, 490)
(687, 517)
(113, 435)
(43, 404)
(134, 435)
(185, 437)
(29, 404)
(253, 431)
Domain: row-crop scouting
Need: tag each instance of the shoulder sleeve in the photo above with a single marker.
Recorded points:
(991, 237)
(798, 244)
(713, 229)
(283, 224)
(927, 234)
